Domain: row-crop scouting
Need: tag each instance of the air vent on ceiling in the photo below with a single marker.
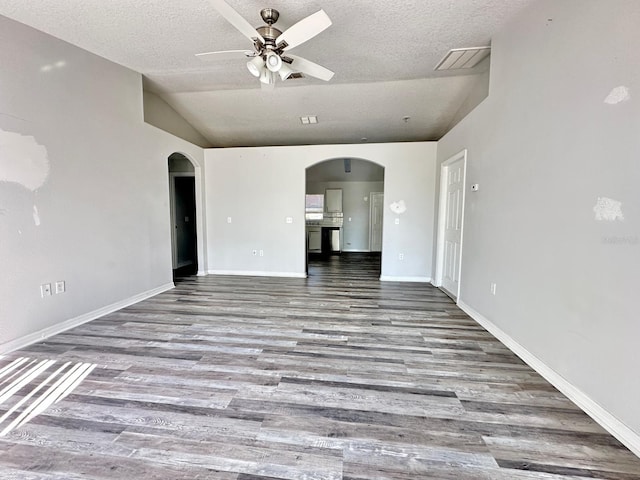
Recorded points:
(462, 58)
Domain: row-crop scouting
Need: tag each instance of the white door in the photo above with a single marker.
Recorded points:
(453, 196)
(376, 202)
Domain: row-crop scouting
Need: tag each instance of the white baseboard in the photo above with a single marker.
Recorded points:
(243, 273)
(390, 278)
(610, 423)
(355, 250)
(201, 273)
(40, 335)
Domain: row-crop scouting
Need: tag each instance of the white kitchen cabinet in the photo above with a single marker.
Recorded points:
(333, 200)
(314, 235)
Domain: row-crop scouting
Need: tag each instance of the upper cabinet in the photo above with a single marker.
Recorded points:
(333, 200)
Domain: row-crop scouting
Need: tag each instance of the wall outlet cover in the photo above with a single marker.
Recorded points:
(45, 290)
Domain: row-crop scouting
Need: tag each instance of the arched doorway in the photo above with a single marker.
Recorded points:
(182, 196)
(344, 208)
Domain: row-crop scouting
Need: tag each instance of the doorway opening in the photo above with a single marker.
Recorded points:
(451, 224)
(344, 209)
(182, 197)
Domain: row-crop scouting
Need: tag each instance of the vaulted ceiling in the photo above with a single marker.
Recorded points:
(383, 55)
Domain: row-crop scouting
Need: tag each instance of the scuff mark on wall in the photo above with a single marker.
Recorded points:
(398, 207)
(618, 95)
(23, 160)
(608, 210)
(36, 216)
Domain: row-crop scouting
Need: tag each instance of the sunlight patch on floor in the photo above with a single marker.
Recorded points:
(55, 383)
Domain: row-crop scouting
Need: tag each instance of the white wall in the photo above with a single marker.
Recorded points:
(477, 94)
(83, 186)
(259, 187)
(544, 147)
(355, 231)
(160, 114)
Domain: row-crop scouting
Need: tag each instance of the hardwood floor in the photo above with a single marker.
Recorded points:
(337, 376)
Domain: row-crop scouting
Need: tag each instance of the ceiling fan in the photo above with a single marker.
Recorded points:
(271, 57)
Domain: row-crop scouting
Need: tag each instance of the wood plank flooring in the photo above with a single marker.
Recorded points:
(337, 376)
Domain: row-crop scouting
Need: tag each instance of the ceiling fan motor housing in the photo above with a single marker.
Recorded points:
(269, 33)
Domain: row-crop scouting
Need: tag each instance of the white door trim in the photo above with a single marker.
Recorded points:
(371, 194)
(441, 218)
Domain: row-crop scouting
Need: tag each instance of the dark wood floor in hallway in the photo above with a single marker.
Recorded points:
(337, 376)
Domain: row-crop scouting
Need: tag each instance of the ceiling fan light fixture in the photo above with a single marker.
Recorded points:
(267, 77)
(256, 66)
(285, 72)
(274, 62)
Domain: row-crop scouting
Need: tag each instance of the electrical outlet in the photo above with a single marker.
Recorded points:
(228, 219)
(60, 287)
(493, 288)
(262, 253)
(401, 256)
(45, 290)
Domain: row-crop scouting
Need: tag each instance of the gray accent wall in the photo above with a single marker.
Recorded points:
(84, 191)
(553, 148)
(159, 113)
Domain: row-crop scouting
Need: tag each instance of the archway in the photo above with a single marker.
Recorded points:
(344, 208)
(183, 201)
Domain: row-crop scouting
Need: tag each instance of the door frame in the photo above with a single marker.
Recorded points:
(371, 194)
(172, 210)
(442, 207)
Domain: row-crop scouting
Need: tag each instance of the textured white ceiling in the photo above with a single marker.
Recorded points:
(383, 54)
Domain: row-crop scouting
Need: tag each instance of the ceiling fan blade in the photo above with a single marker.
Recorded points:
(226, 54)
(304, 30)
(307, 67)
(237, 20)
